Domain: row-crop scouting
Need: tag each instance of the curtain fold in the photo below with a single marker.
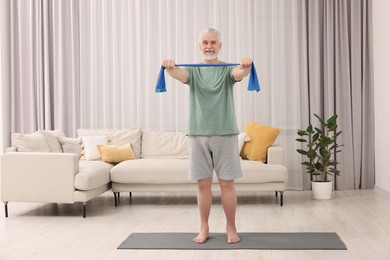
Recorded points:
(44, 66)
(338, 64)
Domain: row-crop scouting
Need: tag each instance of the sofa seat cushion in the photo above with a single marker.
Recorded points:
(175, 171)
(92, 174)
(258, 172)
(151, 171)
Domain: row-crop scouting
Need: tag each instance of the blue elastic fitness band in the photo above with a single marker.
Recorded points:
(253, 82)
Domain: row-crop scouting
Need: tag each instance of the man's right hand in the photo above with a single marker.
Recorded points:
(169, 64)
(175, 72)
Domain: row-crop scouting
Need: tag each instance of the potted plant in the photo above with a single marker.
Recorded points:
(321, 149)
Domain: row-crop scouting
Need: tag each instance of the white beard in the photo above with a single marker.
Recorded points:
(210, 57)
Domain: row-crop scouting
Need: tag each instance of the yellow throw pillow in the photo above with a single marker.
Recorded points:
(263, 137)
(116, 154)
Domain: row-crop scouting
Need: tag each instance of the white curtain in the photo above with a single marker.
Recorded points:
(40, 65)
(122, 44)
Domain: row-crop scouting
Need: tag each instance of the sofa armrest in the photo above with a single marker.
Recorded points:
(38, 177)
(275, 155)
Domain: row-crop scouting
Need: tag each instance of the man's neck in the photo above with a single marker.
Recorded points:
(216, 61)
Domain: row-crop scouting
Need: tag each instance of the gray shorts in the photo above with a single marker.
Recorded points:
(217, 152)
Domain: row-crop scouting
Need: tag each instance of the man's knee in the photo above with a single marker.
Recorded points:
(226, 185)
(205, 184)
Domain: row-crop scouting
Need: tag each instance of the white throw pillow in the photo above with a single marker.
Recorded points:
(90, 146)
(242, 138)
(29, 142)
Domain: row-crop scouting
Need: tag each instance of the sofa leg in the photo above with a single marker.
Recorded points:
(276, 193)
(84, 209)
(281, 197)
(116, 196)
(130, 194)
(6, 209)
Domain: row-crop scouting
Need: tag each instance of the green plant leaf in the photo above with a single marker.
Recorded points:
(302, 151)
(320, 119)
(315, 137)
(319, 130)
(311, 154)
(309, 129)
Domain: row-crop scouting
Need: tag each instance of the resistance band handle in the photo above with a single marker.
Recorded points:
(253, 82)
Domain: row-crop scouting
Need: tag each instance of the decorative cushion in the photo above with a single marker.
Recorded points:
(116, 154)
(116, 137)
(242, 138)
(70, 145)
(29, 142)
(164, 144)
(262, 136)
(91, 146)
(51, 137)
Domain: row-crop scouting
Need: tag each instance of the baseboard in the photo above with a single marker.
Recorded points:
(382, 191)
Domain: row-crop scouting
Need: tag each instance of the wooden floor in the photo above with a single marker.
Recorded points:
(50, 231)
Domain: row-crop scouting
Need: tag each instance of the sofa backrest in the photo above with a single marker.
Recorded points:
(164, 145)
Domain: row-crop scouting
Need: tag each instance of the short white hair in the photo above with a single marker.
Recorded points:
(210, 30)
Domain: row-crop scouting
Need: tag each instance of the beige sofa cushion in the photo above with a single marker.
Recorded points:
(92, 174)
(70, 145)
(40, 141)
(175, 171)
(34, 142)
(151, 171)
(164, 145)
(51, 137)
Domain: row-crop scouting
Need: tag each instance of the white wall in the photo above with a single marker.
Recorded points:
(381, 37)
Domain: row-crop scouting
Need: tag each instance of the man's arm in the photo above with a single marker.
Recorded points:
(175, 72)
(243, 69)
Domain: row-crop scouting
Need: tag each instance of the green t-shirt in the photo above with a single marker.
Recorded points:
(211, 101)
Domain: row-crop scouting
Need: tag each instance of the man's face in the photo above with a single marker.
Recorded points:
(209, 46)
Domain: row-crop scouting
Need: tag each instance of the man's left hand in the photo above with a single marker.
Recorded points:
(245, 63)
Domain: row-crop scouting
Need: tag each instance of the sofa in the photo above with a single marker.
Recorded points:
(48, 167)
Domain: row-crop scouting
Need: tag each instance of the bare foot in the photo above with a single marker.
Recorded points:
(232, 236)
(202, 237)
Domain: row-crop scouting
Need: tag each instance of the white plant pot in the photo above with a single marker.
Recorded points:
(322, 190)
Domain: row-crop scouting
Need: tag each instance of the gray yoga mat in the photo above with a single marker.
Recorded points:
(217, 241)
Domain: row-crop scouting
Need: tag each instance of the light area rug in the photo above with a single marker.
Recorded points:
(217, 241)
